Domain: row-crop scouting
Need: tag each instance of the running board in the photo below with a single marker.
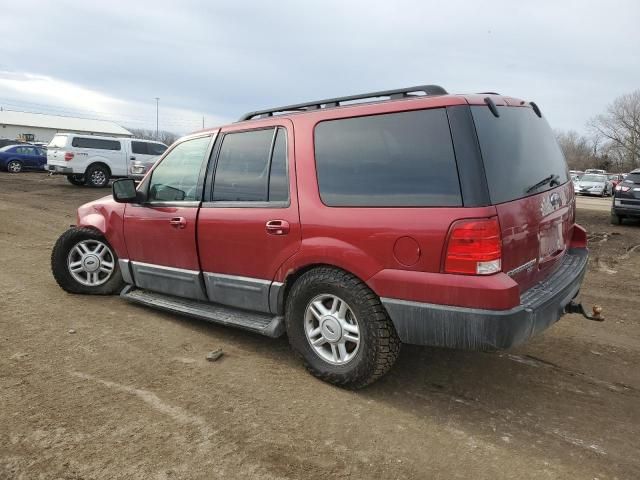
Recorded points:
(262, 323)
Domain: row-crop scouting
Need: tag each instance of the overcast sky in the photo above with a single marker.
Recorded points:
(219, 59)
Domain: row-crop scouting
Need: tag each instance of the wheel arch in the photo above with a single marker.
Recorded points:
(293, 275)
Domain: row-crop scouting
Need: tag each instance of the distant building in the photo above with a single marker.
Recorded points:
(38, 127)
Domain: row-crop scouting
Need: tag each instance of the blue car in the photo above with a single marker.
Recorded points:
(15, 158)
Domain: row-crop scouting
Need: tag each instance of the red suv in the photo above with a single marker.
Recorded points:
(353, 224)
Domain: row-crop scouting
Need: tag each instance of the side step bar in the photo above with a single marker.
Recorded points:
(262, 323)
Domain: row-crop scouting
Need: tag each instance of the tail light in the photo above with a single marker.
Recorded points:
(474, 247)
(622, 188)
(68, 156)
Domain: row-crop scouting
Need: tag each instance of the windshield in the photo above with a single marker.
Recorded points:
(632, 178)
(520, 153)
(59, 141)
(593, 178)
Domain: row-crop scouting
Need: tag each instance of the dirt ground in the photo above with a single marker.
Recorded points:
(130, 394)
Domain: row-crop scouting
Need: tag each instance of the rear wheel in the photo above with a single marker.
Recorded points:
(77, 180)
(97, 176)
(14, 166)
(340, 328)
(82, 261)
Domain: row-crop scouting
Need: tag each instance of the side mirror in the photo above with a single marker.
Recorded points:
(124, 190)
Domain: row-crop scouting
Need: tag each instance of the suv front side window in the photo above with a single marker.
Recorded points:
(175, 179)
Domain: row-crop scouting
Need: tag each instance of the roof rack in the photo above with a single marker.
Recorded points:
(335, 102)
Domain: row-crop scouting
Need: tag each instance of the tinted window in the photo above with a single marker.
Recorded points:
(98, 143)
(398, 159)
(278, 180)
(176, 177)
(26, 150)
(632, 178)
(156, 148)
(519, 150)
(139, 147)
(243, 166)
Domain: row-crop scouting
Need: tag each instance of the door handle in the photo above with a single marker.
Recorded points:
(178, 222)
(277, 227)
(132, 157)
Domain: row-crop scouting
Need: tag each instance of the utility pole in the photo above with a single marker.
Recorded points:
(203, 122)
(157, 101)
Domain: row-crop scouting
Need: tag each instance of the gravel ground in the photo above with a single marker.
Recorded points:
(130, 394)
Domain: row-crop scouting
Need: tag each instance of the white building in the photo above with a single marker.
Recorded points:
(38, 127)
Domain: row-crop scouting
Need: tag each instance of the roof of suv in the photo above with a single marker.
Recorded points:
(379, 102)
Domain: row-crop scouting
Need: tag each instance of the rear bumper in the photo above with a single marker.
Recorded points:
(57, 169)
(477, 329)
(628, 208)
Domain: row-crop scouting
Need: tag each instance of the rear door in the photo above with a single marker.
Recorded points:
(529, 185)
(161, 234)
(250, 224)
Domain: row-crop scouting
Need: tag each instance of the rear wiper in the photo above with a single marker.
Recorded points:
(551, 180)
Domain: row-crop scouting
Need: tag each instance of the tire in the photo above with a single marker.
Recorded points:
(378, 343)
(97, 176)
(77, 180)
(616, 219)
(14, 166)
(76, 247)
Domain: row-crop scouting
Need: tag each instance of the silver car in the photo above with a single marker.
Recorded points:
(592, 184)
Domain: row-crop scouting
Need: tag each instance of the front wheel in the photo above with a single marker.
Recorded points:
(82, 261)
(340, 328)
(14, 166)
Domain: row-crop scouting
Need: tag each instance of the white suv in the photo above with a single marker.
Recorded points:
(93, 160)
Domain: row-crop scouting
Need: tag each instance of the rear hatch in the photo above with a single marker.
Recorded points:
(56, 150)
(529, 185)
(627, 192)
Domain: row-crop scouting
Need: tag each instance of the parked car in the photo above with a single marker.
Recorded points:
(592, 184)
(15, 158)
(626, 198)
(596, 171)
(4, 142)
(615, 178)
(94, 160)
(138, 168)
(433, 219)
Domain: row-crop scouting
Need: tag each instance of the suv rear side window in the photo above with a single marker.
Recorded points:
(97, 143)
(147, 148)
(519, 150)
(252, 167)
(390, 160)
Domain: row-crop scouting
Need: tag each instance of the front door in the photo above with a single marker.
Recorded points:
(161, 234)
(249, 224)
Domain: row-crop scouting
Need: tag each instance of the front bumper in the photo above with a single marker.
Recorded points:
(476, 329)
(626, 207)
(57, 169)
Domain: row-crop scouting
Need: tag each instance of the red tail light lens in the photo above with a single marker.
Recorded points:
(474, 247)
(68, 156)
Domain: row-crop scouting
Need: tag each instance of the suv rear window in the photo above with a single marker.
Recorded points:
(632, 178)
(98, 143)
(391, 160)
(147, 148)
(519, 150)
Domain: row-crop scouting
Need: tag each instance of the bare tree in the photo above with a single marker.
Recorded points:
(580, 151)
(163, 136)
(620, 127)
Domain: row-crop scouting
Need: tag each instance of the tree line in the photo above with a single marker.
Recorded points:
(612, 141)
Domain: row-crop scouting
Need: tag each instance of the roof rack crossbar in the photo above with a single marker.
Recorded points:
(399, 93)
